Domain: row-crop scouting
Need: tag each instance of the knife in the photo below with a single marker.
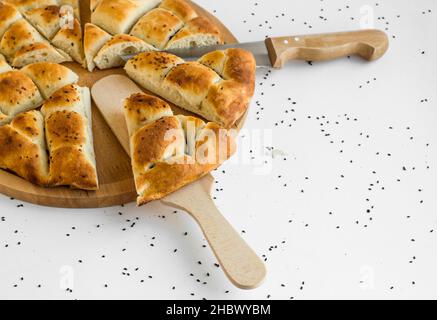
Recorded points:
(275, 52)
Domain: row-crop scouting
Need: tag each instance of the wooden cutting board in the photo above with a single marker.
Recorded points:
(113, 164)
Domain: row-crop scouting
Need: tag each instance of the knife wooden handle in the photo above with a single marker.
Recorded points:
(368, 44)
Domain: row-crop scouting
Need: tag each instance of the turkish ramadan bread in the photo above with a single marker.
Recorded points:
(40, 31)
(53, 146)
(218, 87)
(147, 25)
(168, 151)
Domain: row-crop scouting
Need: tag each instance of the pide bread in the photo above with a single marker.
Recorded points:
(121, 44)
(49, 77)
(168, 24)
(69, 40)
(94, 39)
(68, 125)
(169, 152)
(218, 87)
(63, 126)
(4, 66)
(23, 148)
(45, 31)
(41, 31)
(18, 94)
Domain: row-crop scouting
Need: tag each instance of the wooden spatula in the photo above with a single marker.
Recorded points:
(240, 263)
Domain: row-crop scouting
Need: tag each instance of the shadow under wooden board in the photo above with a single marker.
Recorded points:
(116, 184)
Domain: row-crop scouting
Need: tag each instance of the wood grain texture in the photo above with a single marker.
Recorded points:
(368, 44)
(113, 164)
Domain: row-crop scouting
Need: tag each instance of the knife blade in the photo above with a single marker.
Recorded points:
(368, 44)
(258, 49)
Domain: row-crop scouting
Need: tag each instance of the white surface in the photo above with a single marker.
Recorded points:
(350, 253)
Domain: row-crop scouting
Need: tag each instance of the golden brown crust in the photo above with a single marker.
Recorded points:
(18, 93)
(117, 17)
(4, 66)
(70, 41)
(49, 77)
(46, 20)
(137, 116)
(26, 5)
(218, 87)
(191, 81)
(94, 39)
(69, 137)
(65, 128)
(20, 34)
(200, 31)
(180, 8)
(8, 15)
(22, 148)
(150, 142)
(173, 151)
(69, 166)
(157, 27)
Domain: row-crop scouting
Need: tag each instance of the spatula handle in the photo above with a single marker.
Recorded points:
(240, 263)
(368, 44)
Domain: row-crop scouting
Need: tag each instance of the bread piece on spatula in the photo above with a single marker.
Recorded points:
(169, 152)
(68, 123)
(94, 39)
(23, 148)
(18, 94)
(50, 77)
(218, 87)
(110, 54)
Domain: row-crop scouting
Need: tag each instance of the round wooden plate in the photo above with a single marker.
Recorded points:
(116, 184)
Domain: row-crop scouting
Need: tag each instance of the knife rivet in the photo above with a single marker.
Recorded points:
(297, 39)
(285, 41)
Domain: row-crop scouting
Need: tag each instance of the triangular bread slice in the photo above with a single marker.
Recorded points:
(8, 16)
(46, 20)
(110, 54)
(218, 87)
(68, 124)
(94, 39)
(18, 94)
(118, 17)
(23, 148)
(198, 32)
(169, 152)
(74, 4)
(70, 41)
(49, 77)
(39, 52)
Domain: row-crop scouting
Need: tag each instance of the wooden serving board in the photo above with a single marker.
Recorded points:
(116, 185)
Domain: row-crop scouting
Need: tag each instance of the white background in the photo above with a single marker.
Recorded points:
(348, 212)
